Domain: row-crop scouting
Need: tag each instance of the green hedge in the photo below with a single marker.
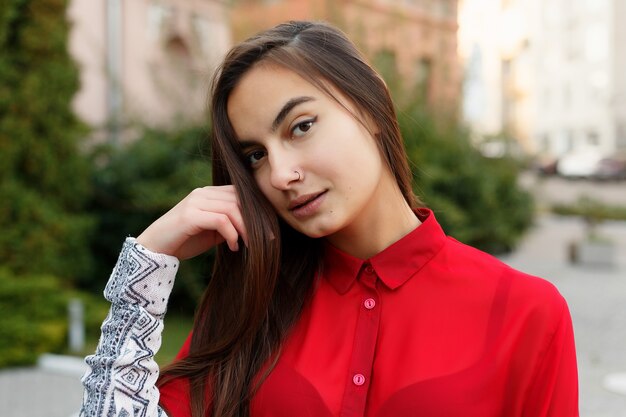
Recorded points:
(33, 316)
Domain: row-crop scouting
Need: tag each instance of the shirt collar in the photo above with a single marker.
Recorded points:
(395, 264)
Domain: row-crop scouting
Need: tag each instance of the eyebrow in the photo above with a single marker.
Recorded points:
(287, 108)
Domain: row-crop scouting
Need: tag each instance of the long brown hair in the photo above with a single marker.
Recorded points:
(255, 295)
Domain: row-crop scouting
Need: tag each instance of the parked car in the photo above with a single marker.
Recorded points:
(545, 166)
(579, 164)
(610, 169)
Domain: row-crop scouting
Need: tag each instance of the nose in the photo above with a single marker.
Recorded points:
(283, 169)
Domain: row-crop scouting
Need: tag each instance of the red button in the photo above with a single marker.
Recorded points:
(358, 379)
(370, 303)
(369, 270)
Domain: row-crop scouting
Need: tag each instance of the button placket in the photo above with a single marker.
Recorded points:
(364, 346)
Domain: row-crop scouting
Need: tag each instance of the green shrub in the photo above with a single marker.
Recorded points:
(33, 316)
(476, 199)
(135, 184)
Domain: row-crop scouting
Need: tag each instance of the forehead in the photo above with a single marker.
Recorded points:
(264, 89)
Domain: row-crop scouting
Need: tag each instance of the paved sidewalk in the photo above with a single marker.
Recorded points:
(596, 297)
(40, 392)
(597, 301)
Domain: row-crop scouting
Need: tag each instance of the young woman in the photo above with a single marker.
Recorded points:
(333, 292)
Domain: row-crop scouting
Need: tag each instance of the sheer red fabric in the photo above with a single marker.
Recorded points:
(427, 327)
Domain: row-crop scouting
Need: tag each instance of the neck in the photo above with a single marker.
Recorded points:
(385, 222)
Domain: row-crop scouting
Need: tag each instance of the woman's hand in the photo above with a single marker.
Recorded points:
(206, 217)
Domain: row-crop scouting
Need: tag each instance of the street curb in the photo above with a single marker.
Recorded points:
(62, 364)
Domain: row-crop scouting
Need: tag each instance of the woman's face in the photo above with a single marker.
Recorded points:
(318, 166)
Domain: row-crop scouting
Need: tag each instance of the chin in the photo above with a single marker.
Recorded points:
(316, 234)
(314, 231)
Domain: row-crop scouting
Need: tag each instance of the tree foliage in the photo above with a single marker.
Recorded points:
(44, 183)
(43, 178)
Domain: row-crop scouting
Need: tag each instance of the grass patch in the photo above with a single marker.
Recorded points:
(175, 333)
(590, 209)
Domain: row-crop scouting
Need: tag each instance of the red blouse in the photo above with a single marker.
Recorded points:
(427, 327)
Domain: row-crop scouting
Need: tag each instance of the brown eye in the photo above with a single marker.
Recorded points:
(255, 157)
(303, 127)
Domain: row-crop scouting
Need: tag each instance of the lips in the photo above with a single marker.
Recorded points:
(303, 200)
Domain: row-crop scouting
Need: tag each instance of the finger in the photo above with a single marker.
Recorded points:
(222, 224)
(228, 207)
(201, 216)
(225, 193)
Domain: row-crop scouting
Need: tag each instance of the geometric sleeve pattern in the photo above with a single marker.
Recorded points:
(122, 374)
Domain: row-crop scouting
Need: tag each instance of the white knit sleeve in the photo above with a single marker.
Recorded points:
(122, 375)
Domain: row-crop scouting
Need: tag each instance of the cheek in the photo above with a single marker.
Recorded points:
(357, 158)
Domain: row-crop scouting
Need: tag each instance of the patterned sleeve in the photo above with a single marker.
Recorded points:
(122, 375)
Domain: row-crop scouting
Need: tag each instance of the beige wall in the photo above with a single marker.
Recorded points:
(168, 51)
(415, 31)
(87, 45)
(418, 33)
(169, 48)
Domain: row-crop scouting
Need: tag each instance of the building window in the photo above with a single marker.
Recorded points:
(423, 78)
(620, 137)
(545, 144)
(507, 95)
(569, 141)
(567, 96)
(596, 42)
(202, 33)
(159, 18)
(177, 49)
(572, 43)
(444, 8)
(593, 138)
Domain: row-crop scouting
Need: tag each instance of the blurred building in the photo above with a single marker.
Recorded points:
(145, 61)
(415, 38)
(550, 75)
(581, 82)
(495, 44)
(149, 62)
